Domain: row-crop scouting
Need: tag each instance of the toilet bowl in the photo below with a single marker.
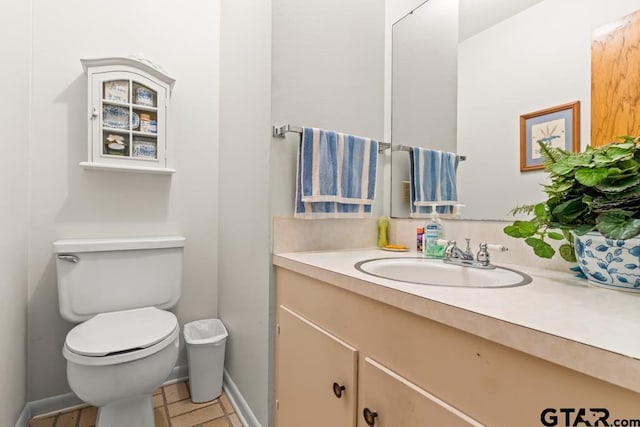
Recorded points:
(126, 343)
(116, 360)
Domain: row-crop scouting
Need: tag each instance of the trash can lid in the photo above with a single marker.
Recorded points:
(120, 331)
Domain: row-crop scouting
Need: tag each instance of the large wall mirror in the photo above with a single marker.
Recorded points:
(464, 71)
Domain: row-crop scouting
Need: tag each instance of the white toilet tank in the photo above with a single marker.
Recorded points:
(103, 275)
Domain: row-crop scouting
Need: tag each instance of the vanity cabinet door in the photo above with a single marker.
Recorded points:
(389, 400)
(312, 367)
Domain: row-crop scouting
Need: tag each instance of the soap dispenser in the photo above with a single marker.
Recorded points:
(434, 232)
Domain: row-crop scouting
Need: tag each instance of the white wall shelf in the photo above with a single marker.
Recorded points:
(125, 168)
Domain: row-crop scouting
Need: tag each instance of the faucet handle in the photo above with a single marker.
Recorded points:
(483, 255)
(468, 251)
(448, 250)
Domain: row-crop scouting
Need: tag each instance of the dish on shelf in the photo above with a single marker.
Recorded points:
(135, 120)
(116, 149)
(144, 148)
(144, 96)
(116, 90)
(118, 117)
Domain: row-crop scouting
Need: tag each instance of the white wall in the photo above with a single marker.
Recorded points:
(328, 72)
(67, 201)
(477, 16)
(342, 90)
(14, 110)
(505, 72)
(244, 262)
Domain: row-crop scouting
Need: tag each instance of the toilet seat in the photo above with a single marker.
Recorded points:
(121, 336)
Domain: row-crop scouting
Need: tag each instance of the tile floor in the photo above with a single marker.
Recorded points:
(172, 408)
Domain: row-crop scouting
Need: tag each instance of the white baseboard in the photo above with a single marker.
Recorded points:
(247, 418)
(25, 416)
(51, 405)
(178, 374)
(54, 404)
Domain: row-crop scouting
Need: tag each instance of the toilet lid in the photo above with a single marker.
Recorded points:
(121, 331)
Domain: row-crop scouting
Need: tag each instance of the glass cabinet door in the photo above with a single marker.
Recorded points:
(127, 120)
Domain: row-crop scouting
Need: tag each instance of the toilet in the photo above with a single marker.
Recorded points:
(126, 343)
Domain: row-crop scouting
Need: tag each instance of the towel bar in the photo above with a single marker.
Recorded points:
(279, 131)
(401, 147)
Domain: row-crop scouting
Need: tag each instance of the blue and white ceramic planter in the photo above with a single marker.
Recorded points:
(613, 264)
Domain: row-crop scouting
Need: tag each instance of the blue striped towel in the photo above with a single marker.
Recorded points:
(336, 175)
(432, 181)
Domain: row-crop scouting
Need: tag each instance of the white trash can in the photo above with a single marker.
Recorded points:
(206, 341)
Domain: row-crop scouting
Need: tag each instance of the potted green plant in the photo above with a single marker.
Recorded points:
(593, 204)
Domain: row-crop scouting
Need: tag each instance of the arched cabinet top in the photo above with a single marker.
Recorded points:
(138, 63)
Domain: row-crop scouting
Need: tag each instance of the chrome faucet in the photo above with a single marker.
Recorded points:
(454, 255)
(453, 252)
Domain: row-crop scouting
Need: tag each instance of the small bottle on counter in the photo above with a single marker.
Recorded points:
(419, 238)
(383, 224)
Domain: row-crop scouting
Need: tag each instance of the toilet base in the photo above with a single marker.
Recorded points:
(133, 412)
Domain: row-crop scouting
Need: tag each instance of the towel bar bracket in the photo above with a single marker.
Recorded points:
(279, 131)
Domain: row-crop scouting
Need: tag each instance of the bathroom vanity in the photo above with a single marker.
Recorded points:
(357, 350)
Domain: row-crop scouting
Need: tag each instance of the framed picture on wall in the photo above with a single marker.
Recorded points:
(556, 126)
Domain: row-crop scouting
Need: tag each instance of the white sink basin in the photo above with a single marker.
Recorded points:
(425, 271)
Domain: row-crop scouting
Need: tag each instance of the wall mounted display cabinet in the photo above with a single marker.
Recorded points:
(128, 115)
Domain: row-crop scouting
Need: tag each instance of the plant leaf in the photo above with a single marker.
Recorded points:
(619, 185)
(520, 229)
(524, 209)
(619, 226)
(559, 168)
(567, 253)
(579, 159)
(540, 210)
(540, 247)
(555, 236)
(581, 230)
(618, 152)
(590, 177)
(570, 210)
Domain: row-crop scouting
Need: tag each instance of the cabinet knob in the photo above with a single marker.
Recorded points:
(338, 389)
(369, 416)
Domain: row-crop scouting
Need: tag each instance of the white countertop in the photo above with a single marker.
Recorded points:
(557, 317)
